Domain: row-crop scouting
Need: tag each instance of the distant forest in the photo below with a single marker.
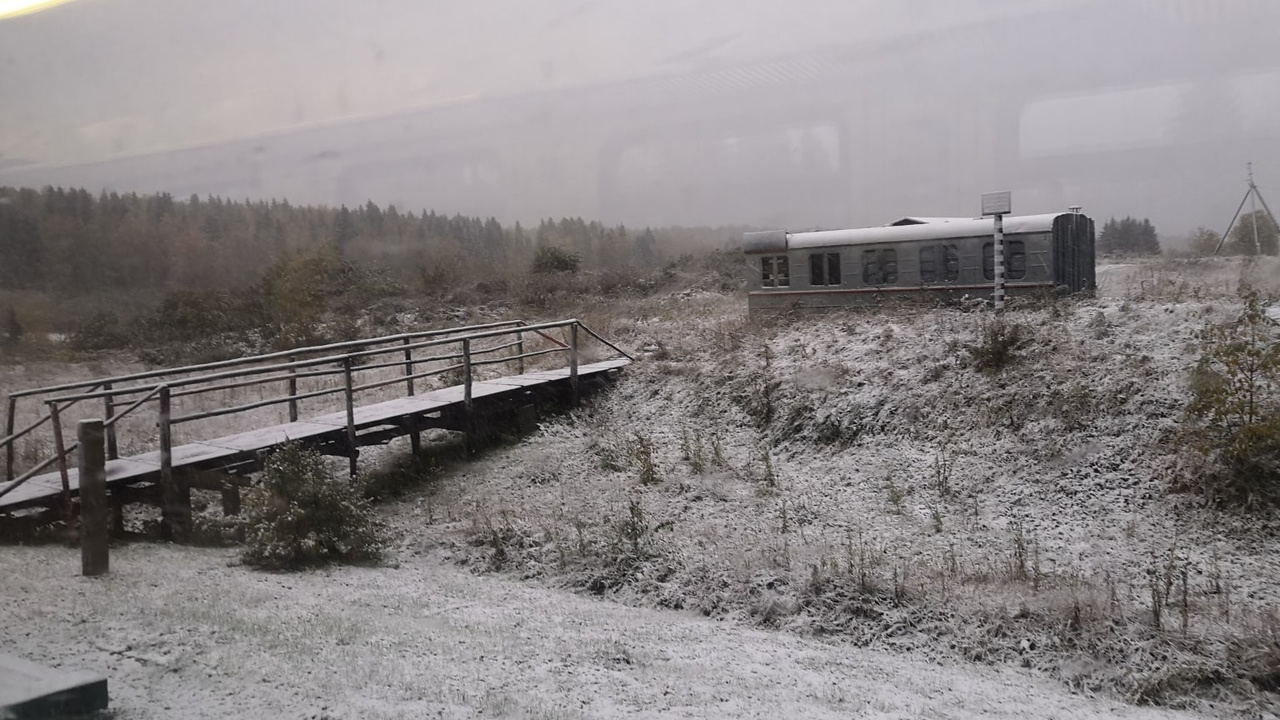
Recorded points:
(142, 271)
(69, 241)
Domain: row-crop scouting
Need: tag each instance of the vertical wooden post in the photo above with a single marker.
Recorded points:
(466, 373)
(469, 419)
(117, 516)
(8, 430)
(352, 451)
(415, 439)
(60, 447)
(94, 558)
(230, 500)
(573, 361)
(175, 496)
(109, 406)
(293, 391)
(520, 352)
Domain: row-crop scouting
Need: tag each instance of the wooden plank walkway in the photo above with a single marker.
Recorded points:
(390, 418)
(28, 690)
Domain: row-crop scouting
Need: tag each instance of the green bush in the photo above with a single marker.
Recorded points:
(998, 345)
(1234, 411)
(552, 259)
(102, 331)
(301, 515)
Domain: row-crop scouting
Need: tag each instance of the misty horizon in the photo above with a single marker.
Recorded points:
(758, 114)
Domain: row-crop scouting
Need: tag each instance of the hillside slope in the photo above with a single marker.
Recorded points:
(909, 497)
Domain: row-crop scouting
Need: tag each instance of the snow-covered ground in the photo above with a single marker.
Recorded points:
(181, 634)
(928, 539)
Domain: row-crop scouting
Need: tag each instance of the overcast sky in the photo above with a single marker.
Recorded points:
(99, 77)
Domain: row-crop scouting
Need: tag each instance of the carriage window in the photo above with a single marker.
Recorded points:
(870, 268)
(889, 266)
(929, 264)
(824, 269)
(833, 269)
(951, 263)
(1015, 260)
(879, 267)
(775, 271)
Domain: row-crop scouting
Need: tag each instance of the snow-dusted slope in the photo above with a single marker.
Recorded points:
(917, 500)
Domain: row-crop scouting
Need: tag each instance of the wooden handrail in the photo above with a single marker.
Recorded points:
(298, 363)
(184, 382)
(258, 358)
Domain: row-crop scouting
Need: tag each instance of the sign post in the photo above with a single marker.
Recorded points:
(998, 204)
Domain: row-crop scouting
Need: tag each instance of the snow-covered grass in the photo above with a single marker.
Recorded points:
(856, 475)
(853, 480)
(185, 633)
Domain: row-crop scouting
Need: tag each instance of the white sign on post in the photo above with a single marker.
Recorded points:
(997, 203)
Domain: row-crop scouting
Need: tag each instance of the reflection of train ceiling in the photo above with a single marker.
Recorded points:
(1069, 105)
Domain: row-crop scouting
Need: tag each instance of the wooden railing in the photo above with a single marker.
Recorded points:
(458, 347)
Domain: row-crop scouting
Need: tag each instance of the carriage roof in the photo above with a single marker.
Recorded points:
(920, 229)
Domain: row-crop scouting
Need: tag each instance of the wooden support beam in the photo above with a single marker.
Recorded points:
(519, 353)
(353, 450)
(117, 514)
(215, 480)
(175, 494)
(127, 495)
(8, 432)
(60, 447)
(573, 363)
(230, 501)
(109, 407)
(468, 405)
(92, 467)
(526, 419)
(415, 439)
(293, 391)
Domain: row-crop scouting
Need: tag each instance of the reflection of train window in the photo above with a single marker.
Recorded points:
(468, 183)
(736, 171)
(1213, 108)
(788, 151)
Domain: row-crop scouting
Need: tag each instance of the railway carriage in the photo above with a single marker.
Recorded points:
(932, 258)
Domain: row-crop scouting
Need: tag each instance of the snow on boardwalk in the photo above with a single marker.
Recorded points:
(220, 452)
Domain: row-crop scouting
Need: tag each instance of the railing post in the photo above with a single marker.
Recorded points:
(8, 430)
(520, 352)
(415, 439)
(109, 406)
(60, 447)
(352, 451)
(293, 390)
(175, 497)
(573, 362)
(469, 419)
(92, 464)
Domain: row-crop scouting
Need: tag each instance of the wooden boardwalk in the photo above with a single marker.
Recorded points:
(474, 406)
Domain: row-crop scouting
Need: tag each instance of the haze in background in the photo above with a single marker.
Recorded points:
(904, 130)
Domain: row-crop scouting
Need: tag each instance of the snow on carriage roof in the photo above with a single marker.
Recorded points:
(920, 220)
(937, 228)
